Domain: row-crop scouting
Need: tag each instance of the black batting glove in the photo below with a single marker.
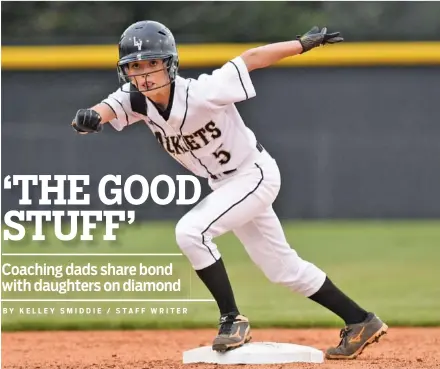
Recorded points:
(87, 121)
(316, 37)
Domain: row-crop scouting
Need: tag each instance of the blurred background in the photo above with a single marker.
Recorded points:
(355, 129)
(60, 22)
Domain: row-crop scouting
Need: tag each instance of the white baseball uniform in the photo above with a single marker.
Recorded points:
(206, 134)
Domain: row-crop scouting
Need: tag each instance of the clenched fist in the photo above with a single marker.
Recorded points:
(87, 121)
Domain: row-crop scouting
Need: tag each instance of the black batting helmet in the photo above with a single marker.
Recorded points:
(147, 40)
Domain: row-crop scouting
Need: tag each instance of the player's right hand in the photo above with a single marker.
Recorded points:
(316, 37)
(87, 121)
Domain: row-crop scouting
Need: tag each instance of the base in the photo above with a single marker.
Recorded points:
(256, 353)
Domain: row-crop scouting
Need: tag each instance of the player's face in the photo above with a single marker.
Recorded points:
(148, 75)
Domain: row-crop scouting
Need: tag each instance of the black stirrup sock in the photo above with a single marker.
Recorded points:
(217, 281)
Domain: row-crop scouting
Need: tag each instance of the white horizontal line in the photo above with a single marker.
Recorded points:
(113, 254)
(107, 300)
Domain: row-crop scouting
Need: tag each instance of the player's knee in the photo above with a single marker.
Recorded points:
(182, 234)
(187, 234)
(298, 275)
(279, 276)
(283, 278)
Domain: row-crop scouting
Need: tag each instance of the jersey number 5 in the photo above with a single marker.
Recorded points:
(223, 155)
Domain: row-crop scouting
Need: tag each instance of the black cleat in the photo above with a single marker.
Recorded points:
(355, 337)
(234, 332)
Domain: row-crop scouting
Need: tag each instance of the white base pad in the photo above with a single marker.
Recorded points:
(256, 353)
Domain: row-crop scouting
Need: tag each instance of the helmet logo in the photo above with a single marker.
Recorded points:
(137, 43)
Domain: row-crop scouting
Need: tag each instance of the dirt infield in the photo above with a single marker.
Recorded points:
(400, 348)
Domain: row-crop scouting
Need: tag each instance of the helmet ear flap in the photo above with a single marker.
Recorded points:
(173, 66)
(122, 73)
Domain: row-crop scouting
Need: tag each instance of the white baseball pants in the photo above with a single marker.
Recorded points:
(242, 203)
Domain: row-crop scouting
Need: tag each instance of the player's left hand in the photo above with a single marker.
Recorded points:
(316, 37)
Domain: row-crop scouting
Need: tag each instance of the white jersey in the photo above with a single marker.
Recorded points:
(204, 132)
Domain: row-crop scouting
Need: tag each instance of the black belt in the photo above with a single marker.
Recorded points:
(260, 148)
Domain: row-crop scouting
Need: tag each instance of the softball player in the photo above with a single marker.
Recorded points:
(197, 123)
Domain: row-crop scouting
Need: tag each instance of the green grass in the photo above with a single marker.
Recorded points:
(390, 267)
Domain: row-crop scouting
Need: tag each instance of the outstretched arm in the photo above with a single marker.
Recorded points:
(91, 120)
(264, 56)
(105, 111)
(115, 109)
